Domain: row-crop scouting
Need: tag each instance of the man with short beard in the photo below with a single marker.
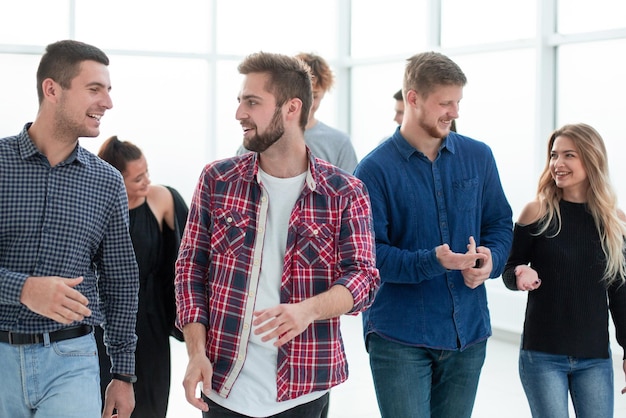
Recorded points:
(443, 227)
(67, 262)
(278, 245)
(324, 141)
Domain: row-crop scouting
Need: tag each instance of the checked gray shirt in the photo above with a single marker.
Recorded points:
(69, 220)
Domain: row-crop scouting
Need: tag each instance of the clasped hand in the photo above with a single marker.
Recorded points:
(475, 265)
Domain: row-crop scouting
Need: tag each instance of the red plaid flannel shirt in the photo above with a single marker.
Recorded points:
(330, 241)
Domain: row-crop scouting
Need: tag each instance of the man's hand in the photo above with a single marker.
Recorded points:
(286, 321)
(121, 396)
(526, 278)
(283, 322)
(199, 368)
(457, 261)
(479, 273)
(55, 298)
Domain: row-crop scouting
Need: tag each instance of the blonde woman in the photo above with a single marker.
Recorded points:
(568, 253)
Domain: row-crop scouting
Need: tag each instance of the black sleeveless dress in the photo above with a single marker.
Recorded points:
(152, 357)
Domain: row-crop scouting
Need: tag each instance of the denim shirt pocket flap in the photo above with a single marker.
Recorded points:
(466, 193)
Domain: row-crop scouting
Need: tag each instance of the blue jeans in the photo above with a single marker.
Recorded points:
(547, 379)
(416, 382)
(59, 379)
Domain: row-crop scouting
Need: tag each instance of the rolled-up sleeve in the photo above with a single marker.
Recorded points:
(192, 265)
(357, 254)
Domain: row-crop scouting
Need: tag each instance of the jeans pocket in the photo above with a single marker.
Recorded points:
(84, 346)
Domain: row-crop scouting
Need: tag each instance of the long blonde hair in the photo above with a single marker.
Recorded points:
(601, 197)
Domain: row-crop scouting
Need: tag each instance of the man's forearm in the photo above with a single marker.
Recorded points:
(335, 302)
(195, 338)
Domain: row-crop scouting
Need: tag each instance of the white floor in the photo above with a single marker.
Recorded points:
(500, 393)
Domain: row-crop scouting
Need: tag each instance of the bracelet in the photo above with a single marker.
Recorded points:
(129, 378)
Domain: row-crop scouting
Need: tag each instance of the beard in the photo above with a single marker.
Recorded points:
(66, 125)
(434, 130)
(262, 141)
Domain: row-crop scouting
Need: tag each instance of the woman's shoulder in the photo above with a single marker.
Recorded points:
(157, 192)
(531, 213)
(160, 199)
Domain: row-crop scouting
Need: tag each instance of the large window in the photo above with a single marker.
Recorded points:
(531, 66)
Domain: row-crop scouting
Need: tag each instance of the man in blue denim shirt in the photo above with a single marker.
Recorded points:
(443, 227)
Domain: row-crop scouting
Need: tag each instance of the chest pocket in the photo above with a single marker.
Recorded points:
(315, 245)
(466, 193)
(229, 232)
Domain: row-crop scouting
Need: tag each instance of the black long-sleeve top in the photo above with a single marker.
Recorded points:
(568, 313)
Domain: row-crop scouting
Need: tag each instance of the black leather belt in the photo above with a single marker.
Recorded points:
(14, 338)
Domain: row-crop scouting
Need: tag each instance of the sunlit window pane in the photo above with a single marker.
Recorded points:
(18, 85)
(33, 22)
(575, 16)
(498, 108)
(486, 21)
(284, 26)
(373, 87)
(161, 105)
(162, 25)
(229, 134)
(392, 27)
(592, 90)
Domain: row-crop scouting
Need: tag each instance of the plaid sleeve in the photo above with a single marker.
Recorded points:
(192, 264)
(357, 261)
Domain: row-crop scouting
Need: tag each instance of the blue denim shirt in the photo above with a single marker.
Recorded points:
(418, 205)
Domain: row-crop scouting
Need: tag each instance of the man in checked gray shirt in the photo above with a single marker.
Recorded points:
(66, 258)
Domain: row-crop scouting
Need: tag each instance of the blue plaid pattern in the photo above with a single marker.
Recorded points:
(70, 220)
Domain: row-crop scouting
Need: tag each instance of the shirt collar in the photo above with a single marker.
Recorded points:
(406, 149)
(28, 149)
(252, 172)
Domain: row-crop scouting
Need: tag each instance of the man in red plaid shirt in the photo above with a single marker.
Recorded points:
(278, 245)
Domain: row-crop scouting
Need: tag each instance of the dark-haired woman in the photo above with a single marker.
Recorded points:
(157, 216)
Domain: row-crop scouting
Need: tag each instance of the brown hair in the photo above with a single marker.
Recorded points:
(320, 70)
(119, 153)
(61, 62)
(289, 77)
(427, 70)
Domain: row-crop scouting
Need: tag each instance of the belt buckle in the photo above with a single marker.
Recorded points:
(11, 338)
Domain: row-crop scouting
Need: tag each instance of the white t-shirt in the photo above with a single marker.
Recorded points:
(254, 392)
